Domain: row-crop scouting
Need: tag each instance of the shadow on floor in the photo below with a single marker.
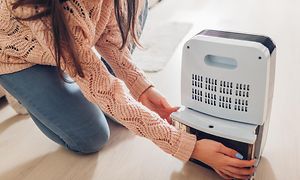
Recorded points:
(11, 121)
(60, 164)
(192, 171)
(3, 102)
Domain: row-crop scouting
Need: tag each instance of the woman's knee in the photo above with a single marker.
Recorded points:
(92, 143)
(98, 141)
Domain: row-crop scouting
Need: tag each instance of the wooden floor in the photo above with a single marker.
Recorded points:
(25, 153)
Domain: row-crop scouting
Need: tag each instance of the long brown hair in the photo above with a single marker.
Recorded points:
(126, 16)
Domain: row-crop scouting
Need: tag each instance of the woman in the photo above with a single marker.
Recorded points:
(42, 41)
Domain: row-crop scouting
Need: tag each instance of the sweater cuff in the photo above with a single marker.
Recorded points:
(186, 146)
(139, 86)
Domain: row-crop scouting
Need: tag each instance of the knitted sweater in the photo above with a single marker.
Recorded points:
(92, 23)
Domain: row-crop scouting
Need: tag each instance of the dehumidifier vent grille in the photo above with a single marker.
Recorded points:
(220, 93)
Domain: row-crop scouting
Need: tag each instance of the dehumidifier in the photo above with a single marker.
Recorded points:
(227, 84)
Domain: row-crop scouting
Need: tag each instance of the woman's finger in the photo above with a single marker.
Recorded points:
(167, 106)
(166, 112)
(224, 176)
(170, 110)
(173, 109)
(168, 116)
(239, 163)
(240, 171)
(228, 173)
(230, 152)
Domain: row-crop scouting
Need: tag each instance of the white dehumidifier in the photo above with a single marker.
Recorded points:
(227, 84)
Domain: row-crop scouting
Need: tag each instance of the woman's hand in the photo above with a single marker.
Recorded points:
(153, 100)
(223, 160)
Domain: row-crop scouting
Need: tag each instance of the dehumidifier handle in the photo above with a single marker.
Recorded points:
(220, 61)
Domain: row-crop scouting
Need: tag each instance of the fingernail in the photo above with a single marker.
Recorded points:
(239, 156)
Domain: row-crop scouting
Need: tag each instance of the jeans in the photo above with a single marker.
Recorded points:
(59, 109)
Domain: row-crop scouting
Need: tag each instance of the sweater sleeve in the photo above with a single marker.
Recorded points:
(108, 46)
(109, 93)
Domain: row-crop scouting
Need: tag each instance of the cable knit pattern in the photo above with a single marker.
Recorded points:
(92, 23)
(108, 46)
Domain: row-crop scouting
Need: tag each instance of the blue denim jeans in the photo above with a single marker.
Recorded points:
(59, 109)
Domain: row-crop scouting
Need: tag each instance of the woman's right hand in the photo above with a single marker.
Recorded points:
(223, 160)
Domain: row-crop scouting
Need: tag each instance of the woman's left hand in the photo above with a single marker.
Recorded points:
(153, 100)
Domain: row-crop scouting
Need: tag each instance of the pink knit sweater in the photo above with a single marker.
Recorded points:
(92, 23)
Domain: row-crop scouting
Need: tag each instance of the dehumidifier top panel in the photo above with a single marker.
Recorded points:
(264, 40)
(228, 77)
